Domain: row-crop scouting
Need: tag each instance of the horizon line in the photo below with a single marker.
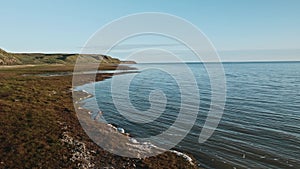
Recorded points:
(197, 62)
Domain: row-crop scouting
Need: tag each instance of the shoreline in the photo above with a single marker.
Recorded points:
(40, 126)
(119, 129)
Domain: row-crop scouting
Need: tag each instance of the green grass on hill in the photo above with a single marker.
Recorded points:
(7, 58)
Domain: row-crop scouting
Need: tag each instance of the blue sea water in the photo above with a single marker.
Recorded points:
(260, 126)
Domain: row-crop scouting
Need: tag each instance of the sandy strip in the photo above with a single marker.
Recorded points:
(29, 65)
(14, 66)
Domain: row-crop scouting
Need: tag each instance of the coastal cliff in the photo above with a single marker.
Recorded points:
(7, 58)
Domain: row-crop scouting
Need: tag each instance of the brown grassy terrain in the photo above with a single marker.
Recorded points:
(39, 127)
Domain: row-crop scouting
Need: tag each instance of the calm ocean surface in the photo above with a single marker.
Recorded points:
(260, 127)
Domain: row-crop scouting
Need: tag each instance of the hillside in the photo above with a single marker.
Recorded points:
(7, 58)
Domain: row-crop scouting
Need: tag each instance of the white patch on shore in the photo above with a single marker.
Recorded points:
(81, 155)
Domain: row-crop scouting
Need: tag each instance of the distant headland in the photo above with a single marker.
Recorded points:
(8, 58)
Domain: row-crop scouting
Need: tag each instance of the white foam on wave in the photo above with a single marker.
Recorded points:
(142, 147)
(149, 147)
(84, 91)
(112, 127)
(121, 130)
(185, 156)
(133, 140)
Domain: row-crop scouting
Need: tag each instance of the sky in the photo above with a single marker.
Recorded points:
(240, 30)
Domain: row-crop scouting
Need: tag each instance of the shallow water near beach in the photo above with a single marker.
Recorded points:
(260, 127)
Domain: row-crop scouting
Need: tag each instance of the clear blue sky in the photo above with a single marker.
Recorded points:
(239, 29)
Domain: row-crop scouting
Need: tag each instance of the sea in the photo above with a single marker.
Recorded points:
(258, 126)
